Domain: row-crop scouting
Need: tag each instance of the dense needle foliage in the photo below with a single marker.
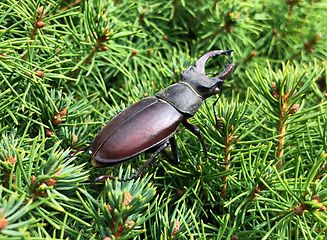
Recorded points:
(67, 67)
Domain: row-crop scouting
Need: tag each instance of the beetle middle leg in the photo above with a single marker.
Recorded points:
(160, 149)
(174, 150)
(195, 130)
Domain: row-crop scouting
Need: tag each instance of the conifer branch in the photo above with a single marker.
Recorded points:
(36, 25)
(73, 4)
(281, 134)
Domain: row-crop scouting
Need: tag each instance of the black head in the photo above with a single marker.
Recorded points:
(196, 78)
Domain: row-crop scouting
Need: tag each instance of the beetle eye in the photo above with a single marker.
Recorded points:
(216, 90)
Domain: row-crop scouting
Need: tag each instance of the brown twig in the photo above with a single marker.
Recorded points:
(96, 48)
(281, 124)
(282, 114)
(227, 27)
(228, 147)
(206, 16)
(281, 135)
(292, 4)
(37, 24)
(320, 173)
(142, 15)
(277, 35)
(175, 7)
(73, 4)
(215, 4)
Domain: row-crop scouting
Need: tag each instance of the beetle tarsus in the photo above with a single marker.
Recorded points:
(102, 178)
(210, 158)
(223, 163)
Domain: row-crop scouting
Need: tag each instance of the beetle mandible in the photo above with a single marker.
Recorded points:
(149, 124)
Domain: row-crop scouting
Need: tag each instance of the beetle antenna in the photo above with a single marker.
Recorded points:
(218, 125)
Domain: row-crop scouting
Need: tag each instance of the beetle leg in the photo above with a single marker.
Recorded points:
(195, 130)
(104, 177)
(80, 150)
(174, 149)
(147, 156)
(164, 152)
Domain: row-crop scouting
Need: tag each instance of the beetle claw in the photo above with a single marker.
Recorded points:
(199, 65)
(102, 178)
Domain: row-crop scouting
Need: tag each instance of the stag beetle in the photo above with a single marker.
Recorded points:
(149, 124)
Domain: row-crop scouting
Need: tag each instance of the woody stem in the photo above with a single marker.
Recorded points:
(281, 135)
(227, 159)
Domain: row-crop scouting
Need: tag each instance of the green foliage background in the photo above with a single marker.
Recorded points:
(67, 67)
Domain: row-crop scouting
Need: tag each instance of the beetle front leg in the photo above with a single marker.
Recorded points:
(104, 177)
(195, 130)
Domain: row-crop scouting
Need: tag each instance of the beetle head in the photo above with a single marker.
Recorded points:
(196, 78)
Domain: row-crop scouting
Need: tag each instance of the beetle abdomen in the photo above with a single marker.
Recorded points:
(138, 128)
